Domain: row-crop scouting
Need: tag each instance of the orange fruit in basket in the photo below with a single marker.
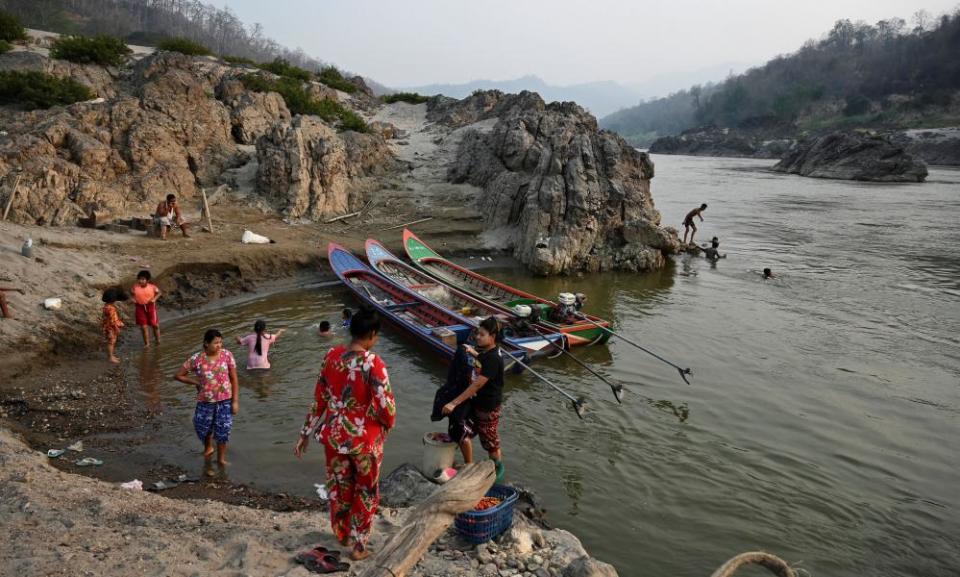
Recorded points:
(487, 503)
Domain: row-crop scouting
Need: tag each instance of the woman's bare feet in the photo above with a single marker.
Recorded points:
(208, 453)
(115, 360)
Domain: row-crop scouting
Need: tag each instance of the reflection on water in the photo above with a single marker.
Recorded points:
(820, 423)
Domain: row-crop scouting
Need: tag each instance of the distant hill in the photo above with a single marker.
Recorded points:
(147, 22)
(886, 75)
(599, 98)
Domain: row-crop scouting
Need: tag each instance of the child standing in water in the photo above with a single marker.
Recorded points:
(215, 377)
(145, 295)
(111, 323)
(324, 329)
(347, 315)
(258, 345)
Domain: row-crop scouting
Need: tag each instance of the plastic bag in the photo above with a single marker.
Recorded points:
(253, 238)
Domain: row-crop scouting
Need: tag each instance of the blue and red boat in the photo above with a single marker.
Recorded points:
(439, 329)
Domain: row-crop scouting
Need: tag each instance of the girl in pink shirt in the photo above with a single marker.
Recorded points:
(258, 345)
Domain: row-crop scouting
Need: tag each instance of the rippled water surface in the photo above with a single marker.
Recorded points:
(822, 422)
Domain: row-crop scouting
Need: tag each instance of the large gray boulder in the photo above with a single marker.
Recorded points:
(853, 156)
(561, 189)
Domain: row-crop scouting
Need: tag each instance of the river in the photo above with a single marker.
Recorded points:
(821, 424)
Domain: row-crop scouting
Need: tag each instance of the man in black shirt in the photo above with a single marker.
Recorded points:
(486, 392)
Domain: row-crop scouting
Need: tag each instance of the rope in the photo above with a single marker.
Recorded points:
(776, 565)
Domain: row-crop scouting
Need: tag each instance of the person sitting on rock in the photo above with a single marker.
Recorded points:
(688, 222)
(3, 301)
(168, 215)
(712, 252)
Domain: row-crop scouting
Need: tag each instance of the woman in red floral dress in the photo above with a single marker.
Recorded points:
(352, 413)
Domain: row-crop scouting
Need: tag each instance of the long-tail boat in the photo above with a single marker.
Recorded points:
(565, 317)
(437, 328)
(451, 298)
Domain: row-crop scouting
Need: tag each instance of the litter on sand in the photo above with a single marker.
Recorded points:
(89, 462)
(134, 485)
(52, 304)
(250, 237)
(76, 447)
(54, 453)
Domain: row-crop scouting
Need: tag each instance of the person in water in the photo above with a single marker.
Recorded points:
(258, 345)
(485, 392)
(688, 223)
(767, 273)
(324, 329)
(347, 315)
(353, 411)
(712, 252)
(111, 323)
(145, 295)
(213, 372)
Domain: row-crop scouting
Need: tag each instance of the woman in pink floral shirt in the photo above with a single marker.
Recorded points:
(352, 413)
(215, 376)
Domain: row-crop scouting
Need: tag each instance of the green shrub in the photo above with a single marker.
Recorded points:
(299, 101)
(103, 50)
(411, 97)
(239, 60)
(334, 79)
(184, 46)
(856, 105)
(5, 46)
(38, 90)
(282, 67)
(11, 29)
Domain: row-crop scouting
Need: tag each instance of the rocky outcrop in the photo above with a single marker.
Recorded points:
(98, 79)
(853, 156)
(308, 170)
(168, 134)
(571, 197)
(713, 141)
(939, 146)
(252, 114)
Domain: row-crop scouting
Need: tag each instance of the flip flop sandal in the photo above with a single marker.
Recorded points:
(54, 453)
(318, 551)
(89, 461)
(325, 564)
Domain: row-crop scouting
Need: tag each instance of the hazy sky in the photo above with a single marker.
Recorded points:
(405, 43)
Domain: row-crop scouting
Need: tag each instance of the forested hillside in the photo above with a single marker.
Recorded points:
(147, 22)
(888, 75)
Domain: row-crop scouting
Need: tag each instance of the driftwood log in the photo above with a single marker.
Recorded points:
(430, 519)
(776, 565)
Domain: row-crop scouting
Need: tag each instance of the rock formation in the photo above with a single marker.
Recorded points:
(171, 123)
(939, 146)
(306, 168)
(713, 141)
(853, 156)
(571, 197)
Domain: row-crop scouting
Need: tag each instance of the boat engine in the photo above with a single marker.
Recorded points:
(566, 309)
(523, 326)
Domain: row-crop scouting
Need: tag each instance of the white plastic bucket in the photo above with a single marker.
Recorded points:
(437, 453)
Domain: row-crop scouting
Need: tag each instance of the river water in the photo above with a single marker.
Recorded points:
(822, 422)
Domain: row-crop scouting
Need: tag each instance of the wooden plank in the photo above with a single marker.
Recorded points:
(429, 520)
(13, 194)
(206, 209)
(341, 217)
(408, 223)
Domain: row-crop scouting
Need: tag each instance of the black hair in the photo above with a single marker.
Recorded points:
(210, 335)
(171, 197)
(715, 242)
(364, 322)
(324, 326)
(114, 294)
(704, 205)
(767, 272)
(259, 327)
(109, 296)
(492, 325)
(347, 313)
(143, 274)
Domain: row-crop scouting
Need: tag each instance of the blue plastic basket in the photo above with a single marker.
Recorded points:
(481, 526)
